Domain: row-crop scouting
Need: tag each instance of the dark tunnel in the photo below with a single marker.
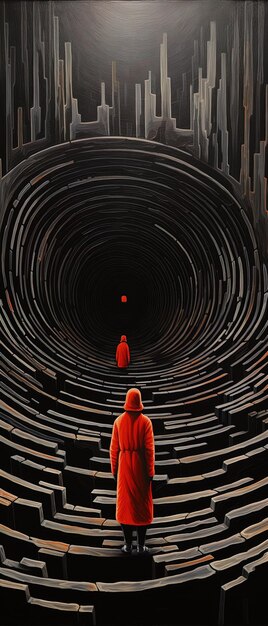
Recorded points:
(122, 216)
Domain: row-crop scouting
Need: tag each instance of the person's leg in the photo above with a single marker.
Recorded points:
(141, 533)
(127, 530)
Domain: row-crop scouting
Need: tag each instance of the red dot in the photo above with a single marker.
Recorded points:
(123, 298)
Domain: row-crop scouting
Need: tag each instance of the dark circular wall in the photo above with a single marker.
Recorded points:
(91, 220)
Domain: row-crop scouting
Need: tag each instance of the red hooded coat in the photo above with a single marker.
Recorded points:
(132, 459)
(122, 353)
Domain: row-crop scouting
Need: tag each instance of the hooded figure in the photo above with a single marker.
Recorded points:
(132, 463)
(122, 353)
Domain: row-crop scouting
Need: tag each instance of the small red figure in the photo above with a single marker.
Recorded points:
(123, 298)
(132, 462)
(122, 353)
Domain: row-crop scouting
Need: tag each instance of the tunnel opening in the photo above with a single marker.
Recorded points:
(136, 217)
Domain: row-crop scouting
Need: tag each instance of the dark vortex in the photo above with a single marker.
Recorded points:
(86, 222)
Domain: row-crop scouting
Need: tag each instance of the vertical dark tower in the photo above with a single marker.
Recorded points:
(35, 111)
(247, 99)
(24, 75)
(10, 70)
(115, 109)
(3, 163)
(234, 95)
(68, 89)
(49, 56)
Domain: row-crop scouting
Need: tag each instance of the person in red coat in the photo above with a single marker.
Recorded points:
(132, 463)
(122, 353)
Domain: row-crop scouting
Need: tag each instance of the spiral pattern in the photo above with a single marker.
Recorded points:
(82, 224)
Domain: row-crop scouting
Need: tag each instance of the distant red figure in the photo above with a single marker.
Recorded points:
(132, 463)
(123, 298)
(122, 353)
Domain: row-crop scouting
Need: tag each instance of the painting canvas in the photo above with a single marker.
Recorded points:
(133, 186)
